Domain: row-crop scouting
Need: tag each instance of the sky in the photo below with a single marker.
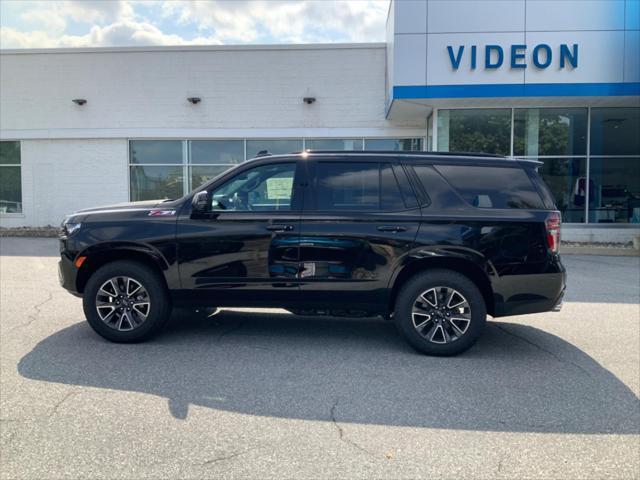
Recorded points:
(105, 23)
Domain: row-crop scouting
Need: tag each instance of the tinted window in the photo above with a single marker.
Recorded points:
(408, 195)
(333, 144)
(550, 131)
(439, 193)
(614, 190)
(167, 152)
(492, 187)
(264, 188)
(274, 147)
(614, 131)
(369, 186)
(475, 130)
(201, 174)
(216, 152)
(397, 144)
(10, 178)
(152, 182)
(391, 198)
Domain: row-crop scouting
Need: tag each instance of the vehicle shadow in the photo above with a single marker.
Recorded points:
(517, 378)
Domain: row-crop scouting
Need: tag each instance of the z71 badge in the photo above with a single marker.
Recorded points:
(161, 213)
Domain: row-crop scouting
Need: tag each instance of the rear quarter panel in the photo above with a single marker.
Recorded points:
(509, 248)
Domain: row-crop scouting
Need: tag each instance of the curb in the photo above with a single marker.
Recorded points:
(605, 251)
(30, 234)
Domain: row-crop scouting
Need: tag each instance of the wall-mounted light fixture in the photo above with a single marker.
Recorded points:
(194, 100)
(79, 101)
(309, 100)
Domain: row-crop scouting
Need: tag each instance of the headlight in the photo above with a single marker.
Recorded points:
(69, 228)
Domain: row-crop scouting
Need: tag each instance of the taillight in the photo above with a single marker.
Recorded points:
(552, 224)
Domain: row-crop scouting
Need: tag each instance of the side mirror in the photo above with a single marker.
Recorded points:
(200, 203)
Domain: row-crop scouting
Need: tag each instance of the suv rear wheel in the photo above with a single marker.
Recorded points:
(126, 302)
(440, 312)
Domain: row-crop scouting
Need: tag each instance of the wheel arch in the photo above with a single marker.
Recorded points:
(465, 267)
(100, 255)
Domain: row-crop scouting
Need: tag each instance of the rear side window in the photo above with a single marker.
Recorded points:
(492, 187)
(357, 186)
(547, 196)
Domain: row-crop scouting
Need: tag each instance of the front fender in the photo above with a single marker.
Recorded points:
(112, 247)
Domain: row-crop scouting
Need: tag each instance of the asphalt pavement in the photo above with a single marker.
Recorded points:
(265, 394)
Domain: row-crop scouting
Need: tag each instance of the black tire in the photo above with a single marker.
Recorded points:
(157, 294)
(423, 282)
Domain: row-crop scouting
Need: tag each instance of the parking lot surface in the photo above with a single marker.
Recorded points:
(265, 394)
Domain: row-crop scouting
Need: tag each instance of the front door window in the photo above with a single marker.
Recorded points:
(262, 189)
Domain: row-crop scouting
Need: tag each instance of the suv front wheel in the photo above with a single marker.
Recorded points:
(126, 301)
(440, 312)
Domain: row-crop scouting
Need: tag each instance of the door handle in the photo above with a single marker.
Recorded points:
(279, 228)
(391, 228)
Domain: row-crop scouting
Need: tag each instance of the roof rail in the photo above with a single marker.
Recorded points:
(405, 152)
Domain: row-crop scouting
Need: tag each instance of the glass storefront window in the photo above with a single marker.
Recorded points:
(274, 147)
(333, 144)
(615, 131)
(10, 178)
(475, 130)
(166, 152)
(216, 151)
(556, 136)
(202, 174)
(395, 144)
(156, 182)
(566, 178)
(550, 131)
(614, 190)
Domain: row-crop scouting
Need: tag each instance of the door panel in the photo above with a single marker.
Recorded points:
(242, 253)
(347, 256)
(350, 260)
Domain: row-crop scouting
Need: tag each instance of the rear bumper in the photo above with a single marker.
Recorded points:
(558, 305)
(535, 293)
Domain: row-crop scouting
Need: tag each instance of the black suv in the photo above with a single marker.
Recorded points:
(434, 241)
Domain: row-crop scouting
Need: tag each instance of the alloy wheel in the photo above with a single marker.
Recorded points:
(123, 303)
(441, 315)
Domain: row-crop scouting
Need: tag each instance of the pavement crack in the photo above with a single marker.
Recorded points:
(33, 316)
(499, 466)
(542, 349)
(342, 434)
(55, 408)
(226, 457)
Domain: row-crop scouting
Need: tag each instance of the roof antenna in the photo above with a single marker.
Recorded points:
(262, 153)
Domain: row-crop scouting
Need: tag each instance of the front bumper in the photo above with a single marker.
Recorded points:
(67, 275)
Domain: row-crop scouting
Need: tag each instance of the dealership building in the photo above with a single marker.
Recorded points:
(555, 80)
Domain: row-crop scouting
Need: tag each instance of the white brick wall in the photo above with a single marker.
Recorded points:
(61, 176)
(76, 156)
(241, 88)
